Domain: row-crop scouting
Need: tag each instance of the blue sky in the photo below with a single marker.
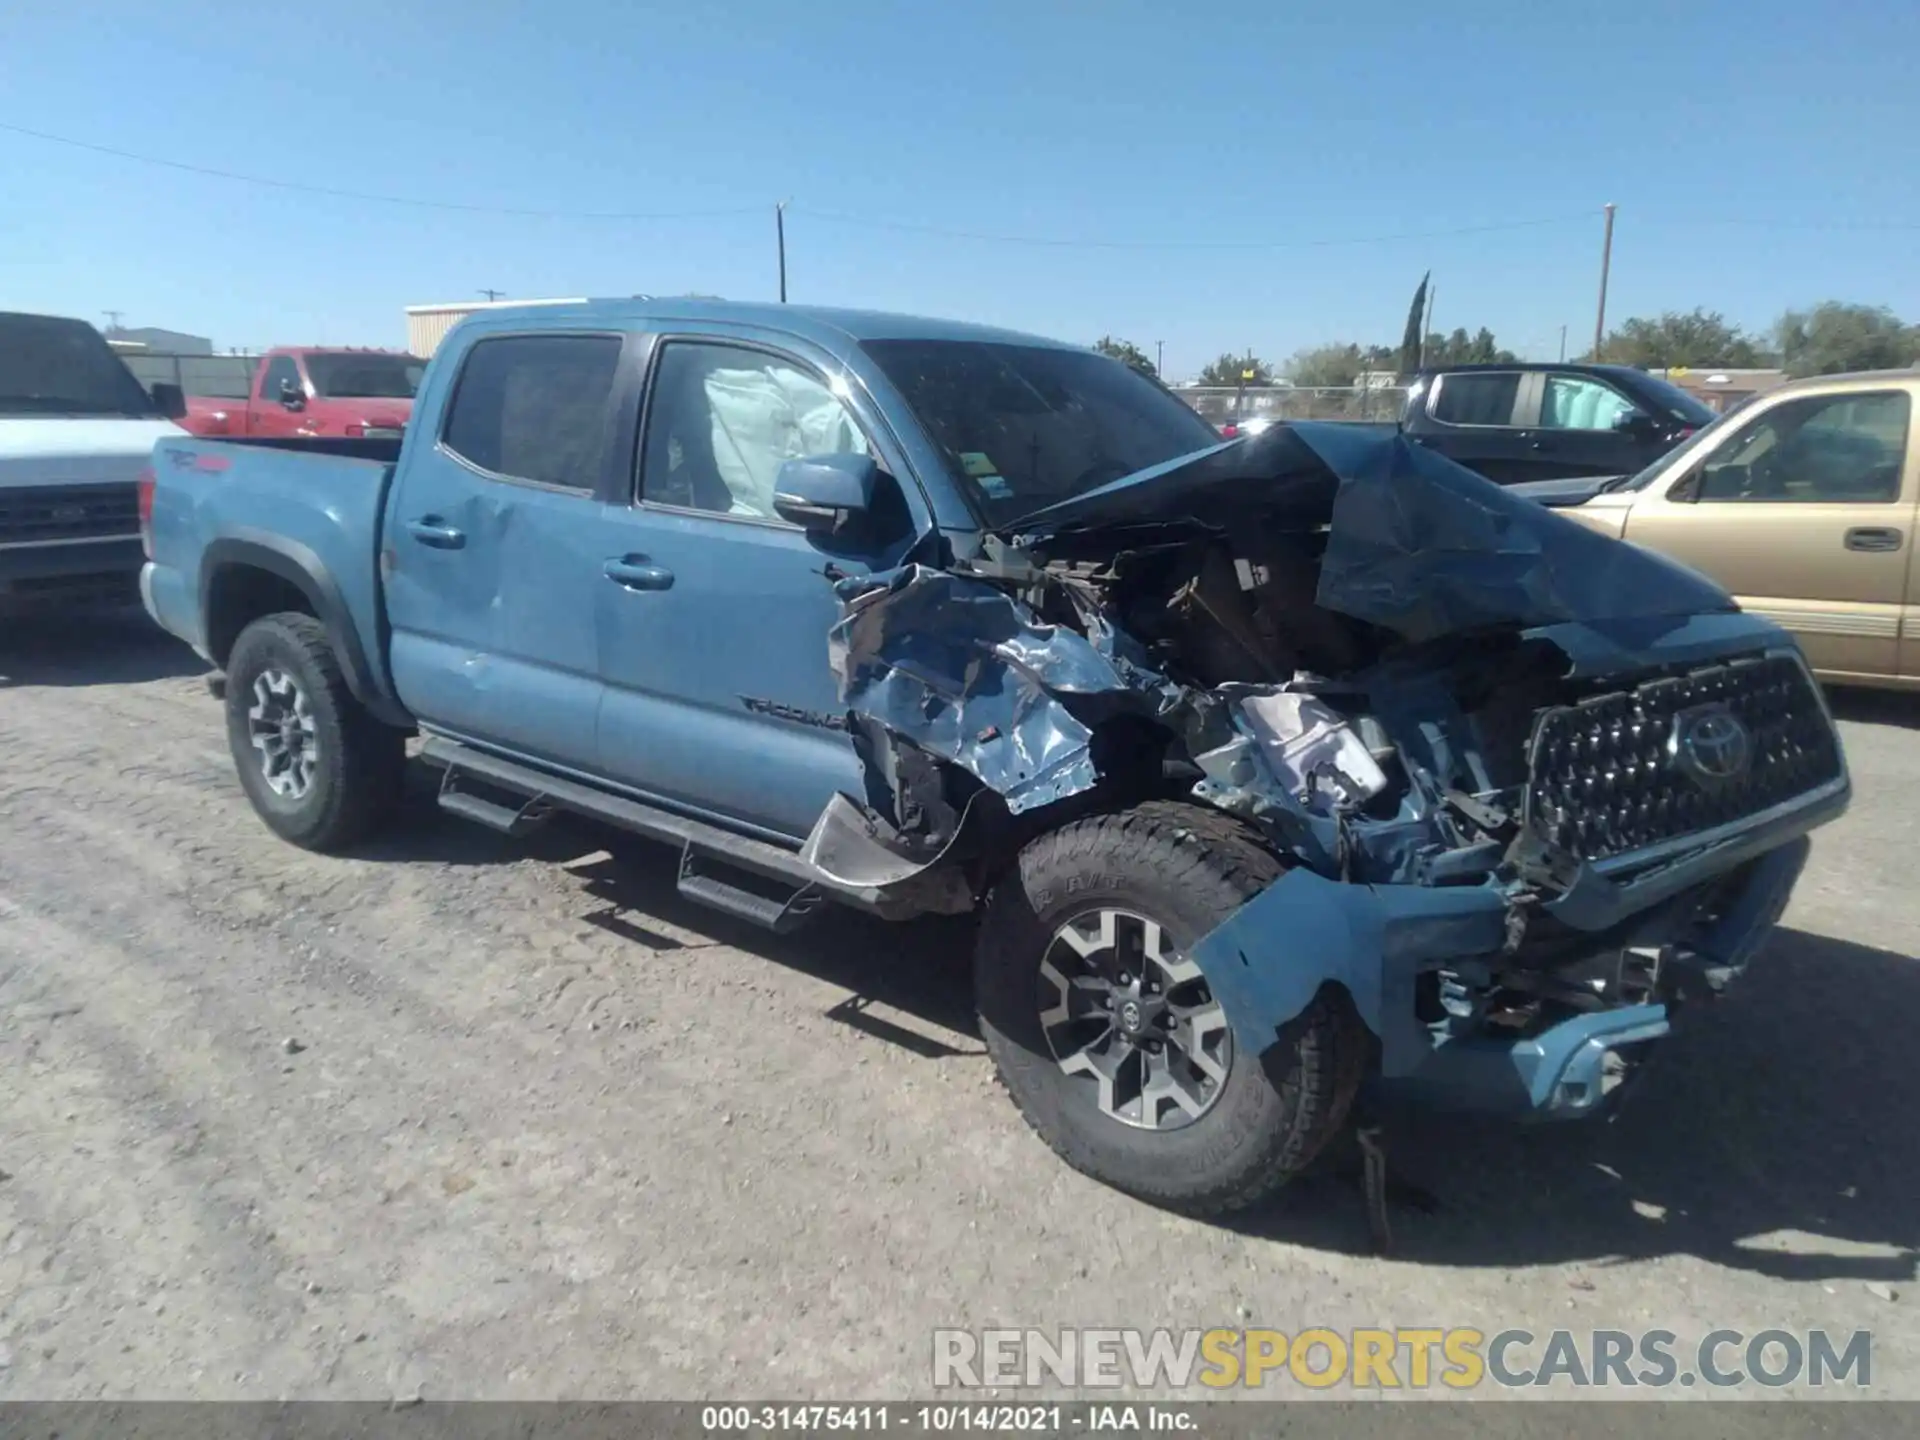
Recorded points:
(1760, 153)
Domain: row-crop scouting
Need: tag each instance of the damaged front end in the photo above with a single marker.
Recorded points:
(1534, 787)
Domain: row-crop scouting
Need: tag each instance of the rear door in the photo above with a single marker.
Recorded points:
(1583, 427)
(713, 611)
(267, 412)
(1806, 513)
(1473, 417)
(493, 558)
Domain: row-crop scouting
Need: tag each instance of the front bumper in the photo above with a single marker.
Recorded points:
(1269, 959)
(36, 576)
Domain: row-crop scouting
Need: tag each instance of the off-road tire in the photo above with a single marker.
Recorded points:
(361, 763)
(1187, 868)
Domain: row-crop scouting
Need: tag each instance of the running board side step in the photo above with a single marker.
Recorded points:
(482, 811)
(707, 852)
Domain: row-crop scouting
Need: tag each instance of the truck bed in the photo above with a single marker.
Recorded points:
(308, 512)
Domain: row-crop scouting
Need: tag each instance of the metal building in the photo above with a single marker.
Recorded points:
(427, 325)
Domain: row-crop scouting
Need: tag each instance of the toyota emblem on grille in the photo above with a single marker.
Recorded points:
(1711, 744)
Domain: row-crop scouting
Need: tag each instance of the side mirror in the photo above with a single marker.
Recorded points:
(291, 396)
(169, 399)
(825, 492)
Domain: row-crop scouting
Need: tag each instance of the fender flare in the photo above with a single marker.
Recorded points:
(301, 568)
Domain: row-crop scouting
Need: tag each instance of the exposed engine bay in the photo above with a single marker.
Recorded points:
(1408, 680)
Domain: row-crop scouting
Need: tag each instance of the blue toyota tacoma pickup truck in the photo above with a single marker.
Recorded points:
(1271, 766)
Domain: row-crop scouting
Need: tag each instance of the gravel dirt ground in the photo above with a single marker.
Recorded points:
(469, 1117)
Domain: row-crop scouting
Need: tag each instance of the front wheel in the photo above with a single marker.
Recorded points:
(318, 768)
(1107, 1035)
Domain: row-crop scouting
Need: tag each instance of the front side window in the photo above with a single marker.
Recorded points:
(1025, 426)
(534, 407)
(1848, 449)
(1573, 402)
(281, 373)
(724, 418)
(1476, 399)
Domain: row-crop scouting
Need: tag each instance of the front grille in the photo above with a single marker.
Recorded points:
(41, 513)
(1612, 774)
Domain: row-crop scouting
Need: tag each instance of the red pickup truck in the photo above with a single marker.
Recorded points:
(361, 394)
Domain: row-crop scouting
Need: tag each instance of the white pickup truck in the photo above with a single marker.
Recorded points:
(76, 430)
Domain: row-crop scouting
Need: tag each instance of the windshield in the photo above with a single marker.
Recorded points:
(1640, 479)
(50, 366)
(1025, 426)
(1675, 401)
(349, 375)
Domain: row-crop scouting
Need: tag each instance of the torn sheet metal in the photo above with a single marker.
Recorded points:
(1417, 544)
(967, 674)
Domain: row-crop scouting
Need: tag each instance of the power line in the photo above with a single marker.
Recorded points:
(272, 183)
(910, 227)
(1068, 242)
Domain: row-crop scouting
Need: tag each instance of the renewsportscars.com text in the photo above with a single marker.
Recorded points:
(1381, 1359)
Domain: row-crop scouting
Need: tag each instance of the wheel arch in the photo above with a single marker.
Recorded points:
(244, 577)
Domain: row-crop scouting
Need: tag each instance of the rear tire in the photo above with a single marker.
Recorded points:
(319, 769)
(1225, 1140)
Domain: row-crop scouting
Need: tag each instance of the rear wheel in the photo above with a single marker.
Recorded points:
(1107, 1036)
(318, 768)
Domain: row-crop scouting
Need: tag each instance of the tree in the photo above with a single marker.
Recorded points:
(1834, 337)
(1326, 366)
(1700, 337)
(1416, 320)
(1460, 348)
(1231, 369)
(1127, 352)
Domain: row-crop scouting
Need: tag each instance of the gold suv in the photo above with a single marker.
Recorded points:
(1802, 504)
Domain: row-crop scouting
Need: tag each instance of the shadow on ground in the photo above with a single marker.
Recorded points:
(1776, 1132)
(119, 646)
(630, 890)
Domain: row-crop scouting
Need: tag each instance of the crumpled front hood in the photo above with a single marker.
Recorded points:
(1416, 544)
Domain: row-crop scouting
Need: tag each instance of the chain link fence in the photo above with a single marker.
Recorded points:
(1226, 405)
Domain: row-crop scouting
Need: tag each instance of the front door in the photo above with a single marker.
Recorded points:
(1805, 512)
(1474, 420)
(1585, 427)
(494, 557)
(268, 413)
(714, 612)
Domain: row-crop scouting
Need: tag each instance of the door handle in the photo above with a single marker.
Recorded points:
(636, 572)
(1873, 538)
(432, 531)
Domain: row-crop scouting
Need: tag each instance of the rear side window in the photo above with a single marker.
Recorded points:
(1472, 399)
(534, 407)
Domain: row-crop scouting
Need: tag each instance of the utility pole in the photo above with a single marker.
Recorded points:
(780, 235)
(113, 318)
(1606, 262)
(1563, 344)
(1426, 325)
(492, 295)
(1160, 358)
